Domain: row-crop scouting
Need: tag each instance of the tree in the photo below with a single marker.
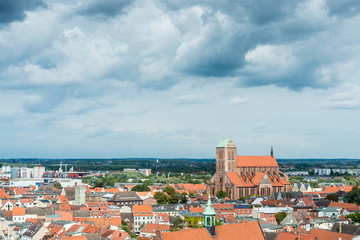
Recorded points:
(353, 196)
(221, 194)
(280, 216)
(218, 222)
(191, 194)
(169, 190)
(58, 185)
(183, 198)
(314, 184)
(161, 198)
(333, 197)
(148, 182)
(354, 217)
(126, 228)
(178, 223)
(174, 199)
(140, 188)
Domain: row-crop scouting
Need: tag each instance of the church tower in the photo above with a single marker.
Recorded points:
(226, 153)
(209, 217)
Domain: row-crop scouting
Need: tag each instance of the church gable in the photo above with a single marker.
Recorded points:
(265, 180)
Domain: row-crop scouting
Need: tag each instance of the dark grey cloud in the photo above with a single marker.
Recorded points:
(103, 8)
(344, 8)
(15, 10)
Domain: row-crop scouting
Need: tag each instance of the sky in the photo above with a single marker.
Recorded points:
(166, 78)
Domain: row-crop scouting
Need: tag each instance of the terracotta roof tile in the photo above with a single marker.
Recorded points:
(328, 235)
(256, 161)
(16, 211)
(142, 210)
(245, 231)
(238, 181)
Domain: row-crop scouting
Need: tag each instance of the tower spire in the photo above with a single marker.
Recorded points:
(209, 217)
(272, 151)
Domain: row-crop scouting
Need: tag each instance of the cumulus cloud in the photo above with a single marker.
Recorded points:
(15, 10)
(187, 99)
(73, 61)
(103, 9)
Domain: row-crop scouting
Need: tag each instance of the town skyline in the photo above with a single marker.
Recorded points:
(117, 79)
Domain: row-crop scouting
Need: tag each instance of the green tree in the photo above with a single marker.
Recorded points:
(161, 198)
(333, 197)
(191, 194)
(140, 188)
(280, 216)
(183, 198)
(218, 222)
(355, 217)
(221, 194)
(126, 228)
(353, 196)
(148, 182)
(169, 190)
(58, 185)
(174, 199)
(314, 184)
(178, 223)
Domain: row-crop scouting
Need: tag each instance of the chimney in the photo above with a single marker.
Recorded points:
(158, 235)
(340, 228)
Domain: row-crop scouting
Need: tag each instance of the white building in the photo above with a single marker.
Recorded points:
(143, 215)
(39, 171)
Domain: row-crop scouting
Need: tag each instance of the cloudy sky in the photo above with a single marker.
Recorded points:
(167, 78)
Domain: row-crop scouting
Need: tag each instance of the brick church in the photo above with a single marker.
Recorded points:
(243, 176)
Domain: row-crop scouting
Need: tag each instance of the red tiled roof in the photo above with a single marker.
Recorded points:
(329, 235)
(16, 211)
(197, 210)
(293, 236)
(3, 194)
(256, 161)
(142, 210)
(245, 231)
(347, 206)
(258, 177)
(238, 181)
(81, 237)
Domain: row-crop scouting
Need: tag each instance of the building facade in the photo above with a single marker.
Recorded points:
(243, 176)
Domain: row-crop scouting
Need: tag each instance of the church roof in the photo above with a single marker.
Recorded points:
(223, 142)
(238, 181)
(256, 161)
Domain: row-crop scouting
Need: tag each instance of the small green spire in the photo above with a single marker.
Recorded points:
(209, 214)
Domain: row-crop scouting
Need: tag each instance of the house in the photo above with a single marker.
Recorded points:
(321, 234)
(302, 187)
(297, 219)
(126, 199)
(98, 197)
(147, 198)
(18, 214)
(143, 215)
(149, 230)
(34, 232)
(346, 228)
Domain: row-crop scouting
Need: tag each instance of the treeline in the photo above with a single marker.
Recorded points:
(164, 165)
